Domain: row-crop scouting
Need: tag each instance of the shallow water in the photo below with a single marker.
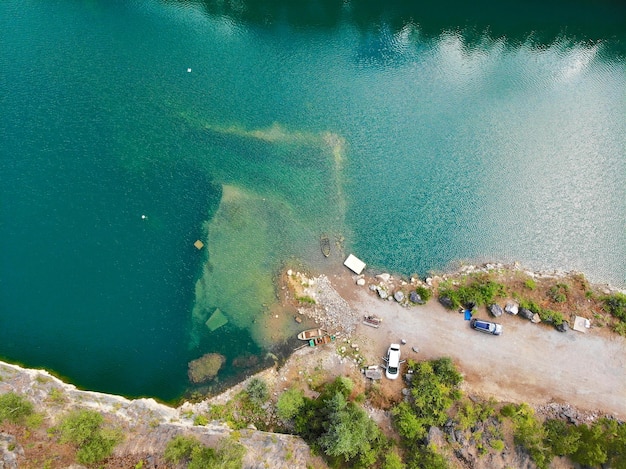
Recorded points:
(414, 136)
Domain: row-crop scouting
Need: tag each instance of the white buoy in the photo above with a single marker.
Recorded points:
(143, 217)
(188, 70)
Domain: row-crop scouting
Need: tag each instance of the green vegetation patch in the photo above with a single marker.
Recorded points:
(480, 290)
(424, 292)
(289, 403)
(247, 407)
(336, 426)
(434, 389)
(188, 450)
(15, 408)
(84, 429)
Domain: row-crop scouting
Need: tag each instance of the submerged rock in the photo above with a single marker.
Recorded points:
(206, 367)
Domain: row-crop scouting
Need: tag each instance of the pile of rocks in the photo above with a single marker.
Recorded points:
(389, 288)
(569, 413)
(330, 310)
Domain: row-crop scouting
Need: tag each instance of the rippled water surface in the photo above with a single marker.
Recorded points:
(414, 137)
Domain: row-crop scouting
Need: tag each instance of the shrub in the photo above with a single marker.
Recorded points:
(616, 305)
(180, 448)
(528, 433)
(306, 300)
(393, 461)
(530, 284)
(558, 292)
(498, 445)
(289, 403)
(479, 291)
(620, 328)
(424, 293)
(83, 428)
(14, 408)
(200, 420)
(257, 391)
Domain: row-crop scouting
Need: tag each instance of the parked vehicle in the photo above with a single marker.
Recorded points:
(393, 361)
(486, 326)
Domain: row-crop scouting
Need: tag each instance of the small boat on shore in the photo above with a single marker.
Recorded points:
(325, 245)
(311, 334)
(322, 340)
(373, 321)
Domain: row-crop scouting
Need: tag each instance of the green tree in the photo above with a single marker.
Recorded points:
(407, 423)
(351, 434)
(592, 450)
(561, 437)
(289, 403)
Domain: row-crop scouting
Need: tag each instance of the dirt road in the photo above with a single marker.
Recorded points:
(528, 363)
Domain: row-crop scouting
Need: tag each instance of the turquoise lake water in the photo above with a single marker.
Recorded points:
(417, 136)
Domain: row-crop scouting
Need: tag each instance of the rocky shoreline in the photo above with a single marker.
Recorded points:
(149, 425)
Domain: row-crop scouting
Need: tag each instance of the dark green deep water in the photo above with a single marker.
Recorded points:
(424, 133)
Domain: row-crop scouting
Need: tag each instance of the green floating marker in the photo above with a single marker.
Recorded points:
(217, 320)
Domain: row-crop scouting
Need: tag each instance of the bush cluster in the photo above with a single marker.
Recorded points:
(547, 315)
(601, 443)
(14, 408)
(188, 450)
(476, 290)
(434, 389)
(616, 305)
(424, 293)
(558, 292)
(84, 429)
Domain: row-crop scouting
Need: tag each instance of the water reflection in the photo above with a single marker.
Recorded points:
(539, 22)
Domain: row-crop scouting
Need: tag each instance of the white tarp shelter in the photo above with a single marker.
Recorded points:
(355, 264)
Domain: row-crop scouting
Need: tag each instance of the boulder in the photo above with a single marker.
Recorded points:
(382, 293)
(414, 297)
(495, 310)
(536, 319)
(446, 301)
(384, 277)
(526, 313)
(435, 437)
(360, 282)
(398, 296)
(373, 287)
(511, 308)
(563, 327)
